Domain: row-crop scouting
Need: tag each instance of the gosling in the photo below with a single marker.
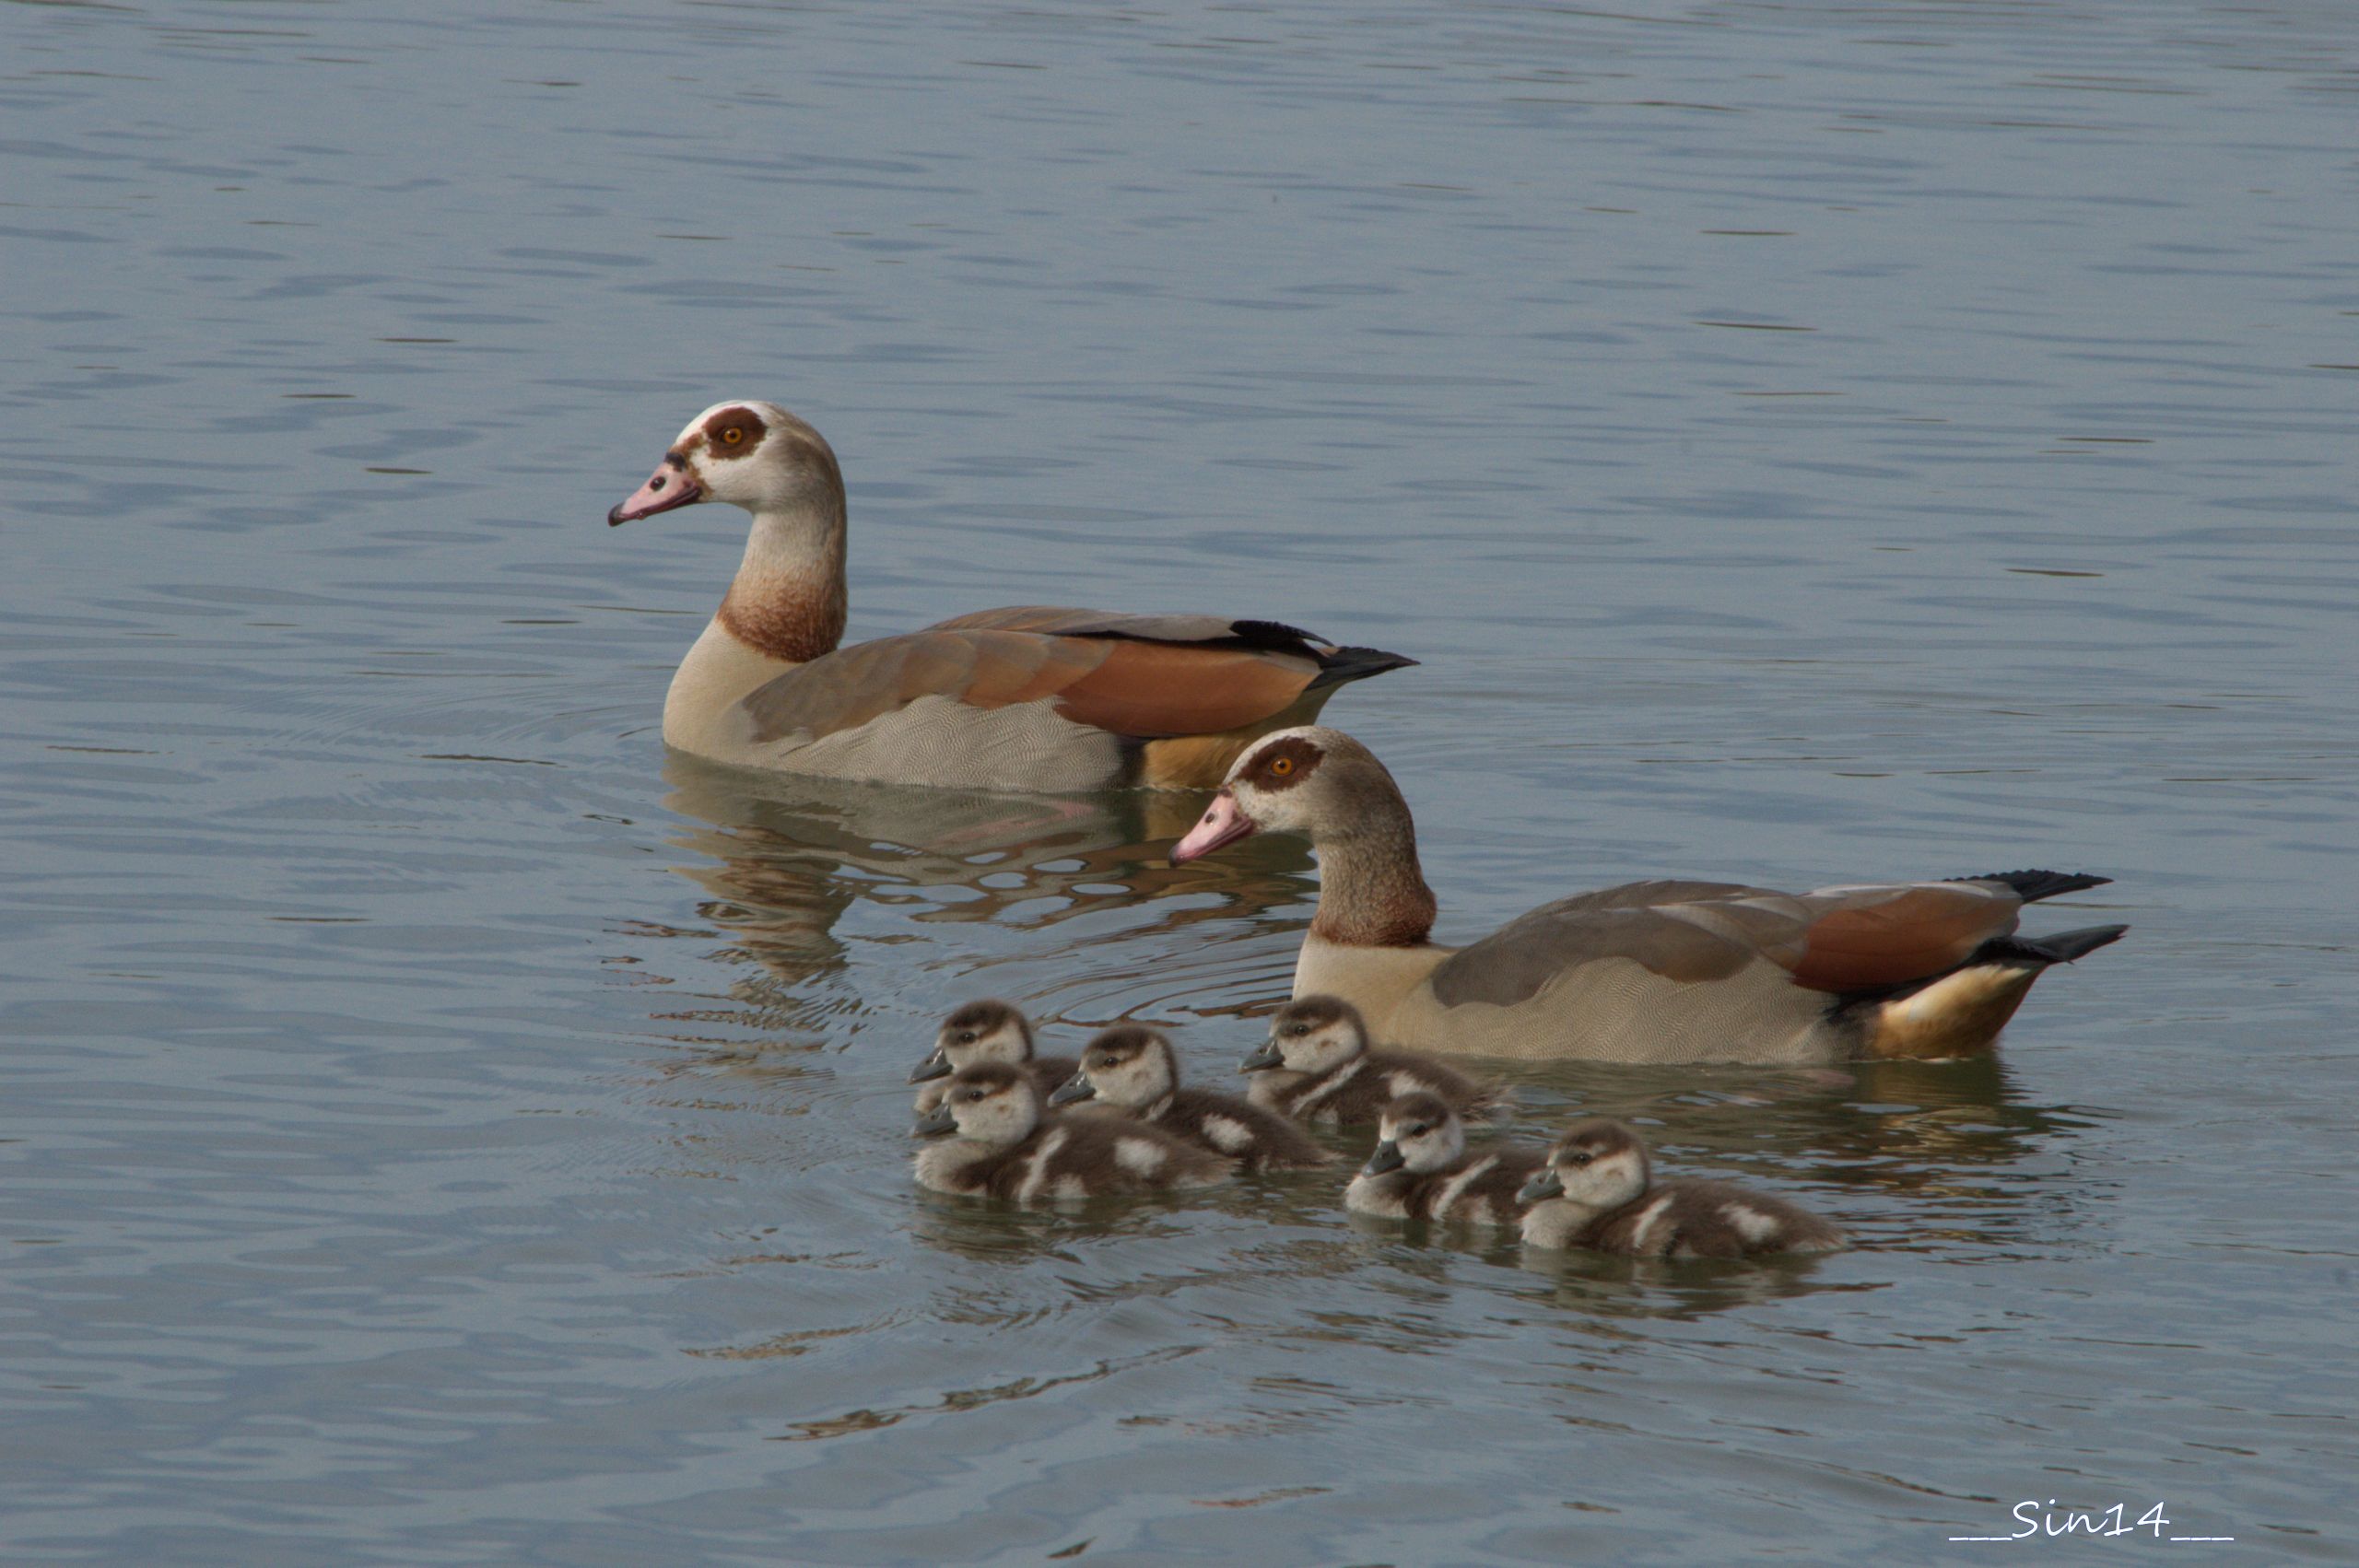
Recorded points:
(1421, 1169)
(1598, 1192)
(1317, 1067)
(1135, 1069)
(980, 1032)
(1005, 1145)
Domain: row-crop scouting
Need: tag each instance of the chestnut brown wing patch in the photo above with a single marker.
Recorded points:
(1140, 689)
(1155, 690)
(1867, 937)
(1844, 939)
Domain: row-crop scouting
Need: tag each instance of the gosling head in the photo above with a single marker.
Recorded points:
(749, 453)
(994, 1105)
(977, 1033)
(1599, 1164)
(1129, 1065)
(1312, 1034)
(1419, 1133)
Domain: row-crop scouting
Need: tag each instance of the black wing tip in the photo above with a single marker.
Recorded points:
(1272, 634)
(2031, 886)
(1358, 664)
(2055, 947)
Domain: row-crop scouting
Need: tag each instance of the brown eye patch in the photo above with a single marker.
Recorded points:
(1285, 764)
(734, 432)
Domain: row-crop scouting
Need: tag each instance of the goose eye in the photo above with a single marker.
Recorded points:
(1282, 766)
(732, 434)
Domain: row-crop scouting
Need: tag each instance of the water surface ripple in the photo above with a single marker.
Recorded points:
(1804, 442)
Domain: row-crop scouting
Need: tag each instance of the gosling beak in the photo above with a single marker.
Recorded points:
(935, 1066)
(934, 1123)
(1543, 1186)
(1222, 823)
(670, 485)
(1077, 1087)
(1386, 1158)
(1263, 1060)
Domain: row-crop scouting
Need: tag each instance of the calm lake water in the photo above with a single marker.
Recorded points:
(1804, 442)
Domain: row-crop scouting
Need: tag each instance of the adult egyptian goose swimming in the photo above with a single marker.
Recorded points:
(1668, 971)
(1028, 698)
(1423, 1170)
(1135, 1069)
(1005, 1145)
(1597, 1192)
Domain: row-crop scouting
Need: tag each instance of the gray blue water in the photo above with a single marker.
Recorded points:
(1804, 442)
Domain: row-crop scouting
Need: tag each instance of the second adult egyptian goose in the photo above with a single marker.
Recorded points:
(1666, 971)
(1030, 699)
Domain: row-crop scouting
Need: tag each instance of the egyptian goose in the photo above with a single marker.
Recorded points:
(1317, 1067)
(1030, 699)
(1668, 971)
(1135, 1069)
(1597, 1192)
(1421, 1169)
(1006, 1146)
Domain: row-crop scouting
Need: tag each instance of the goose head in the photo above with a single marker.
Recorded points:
(1128, 1066)
(1599, 1165)
(749, 453)
(1419, 1133)
(979, 1032)
(1310, 780)
(994, 1105)
(1313, 1034)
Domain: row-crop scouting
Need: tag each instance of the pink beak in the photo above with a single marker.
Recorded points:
(1222, 823)
(668, 487)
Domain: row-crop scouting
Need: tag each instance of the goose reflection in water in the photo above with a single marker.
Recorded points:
(807, 877)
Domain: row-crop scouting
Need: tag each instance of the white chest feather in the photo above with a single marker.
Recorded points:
(700, 711)
(1374, 979)
(1379, 1195)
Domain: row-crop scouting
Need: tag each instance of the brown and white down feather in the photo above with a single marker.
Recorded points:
(1423, 1169)
(989, 1030)
(1003, 1144)
(1597, 1192)
(1317, 1067)
(1135, 1069)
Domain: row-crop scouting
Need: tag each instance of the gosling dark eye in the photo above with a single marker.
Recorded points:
(966, 1036)
(1419, 1131)
(1298, 1030)
(1579, 1158)
(974, 1094)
